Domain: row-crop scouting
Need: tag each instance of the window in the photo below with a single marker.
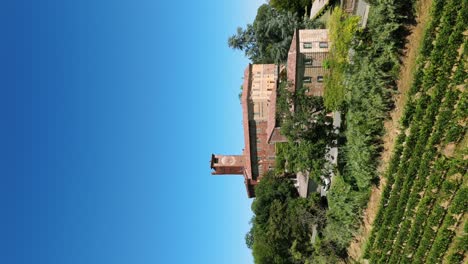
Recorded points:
(307, 61)
(307, 45)
(307, 79)
(323, 44)
(215, 160)
(256, 109)
(319, 78)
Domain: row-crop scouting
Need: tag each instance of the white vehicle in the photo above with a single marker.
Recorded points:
(326, 182)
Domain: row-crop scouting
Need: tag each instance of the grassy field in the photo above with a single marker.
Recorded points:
(423, 212)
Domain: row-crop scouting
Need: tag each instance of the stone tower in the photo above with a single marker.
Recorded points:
(227, 164)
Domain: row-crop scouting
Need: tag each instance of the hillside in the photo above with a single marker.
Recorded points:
(397, 190)
(422, 214)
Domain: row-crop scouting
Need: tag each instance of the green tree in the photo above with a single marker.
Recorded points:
(283, 222)
(249, 239)
(303, 117)
(245, 40)
(344, 207)
(267, 40)
(294, 6)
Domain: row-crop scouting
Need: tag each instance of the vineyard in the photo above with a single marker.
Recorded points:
(422, 216)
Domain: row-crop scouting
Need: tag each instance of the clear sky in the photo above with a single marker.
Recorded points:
(109, 113)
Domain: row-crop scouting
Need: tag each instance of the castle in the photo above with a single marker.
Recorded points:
(309, 49)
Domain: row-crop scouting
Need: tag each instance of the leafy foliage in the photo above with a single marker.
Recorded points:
(342, 219)
(282, 223)
(342, 29)
(294, 6)
(305, 123)
(267, 40)
(303, 117)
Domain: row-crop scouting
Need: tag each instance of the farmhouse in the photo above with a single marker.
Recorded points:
(309, 49)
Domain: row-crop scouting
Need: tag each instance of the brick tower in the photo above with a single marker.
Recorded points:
(227, 164)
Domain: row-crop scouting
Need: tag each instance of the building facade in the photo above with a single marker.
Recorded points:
(309, 48)
(260, 82)
(307, 54)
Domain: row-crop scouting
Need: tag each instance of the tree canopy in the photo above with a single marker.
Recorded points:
(302, 117)
(282, 223)
(342, 30)
(295, 6)
(267, 40)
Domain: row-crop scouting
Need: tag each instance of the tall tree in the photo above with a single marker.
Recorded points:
(245, 40)
(267, 40)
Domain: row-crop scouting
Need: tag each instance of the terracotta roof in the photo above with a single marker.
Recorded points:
(271, 114)
(276, 136)
(291, 66)
(273, 132)
(292, 60)
(317, 8)
(245, 122)
(250, 187)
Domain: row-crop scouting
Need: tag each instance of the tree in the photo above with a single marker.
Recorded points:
(303, 117)
(342, 216)
(294, 6)
(269, 230)
(245, 40)
(249, 239)
(283, 222)
(267, 40)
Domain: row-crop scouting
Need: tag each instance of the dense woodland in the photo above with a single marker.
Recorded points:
(364, 66)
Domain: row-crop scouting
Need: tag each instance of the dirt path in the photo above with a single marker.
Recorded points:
(391, 126)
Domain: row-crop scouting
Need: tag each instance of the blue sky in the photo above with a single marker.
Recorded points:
(110, 111)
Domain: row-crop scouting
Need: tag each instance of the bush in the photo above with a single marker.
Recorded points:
(342, 28)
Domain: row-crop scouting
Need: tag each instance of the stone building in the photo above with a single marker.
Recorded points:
(260, 82)
(307, 54)
(308, 50)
